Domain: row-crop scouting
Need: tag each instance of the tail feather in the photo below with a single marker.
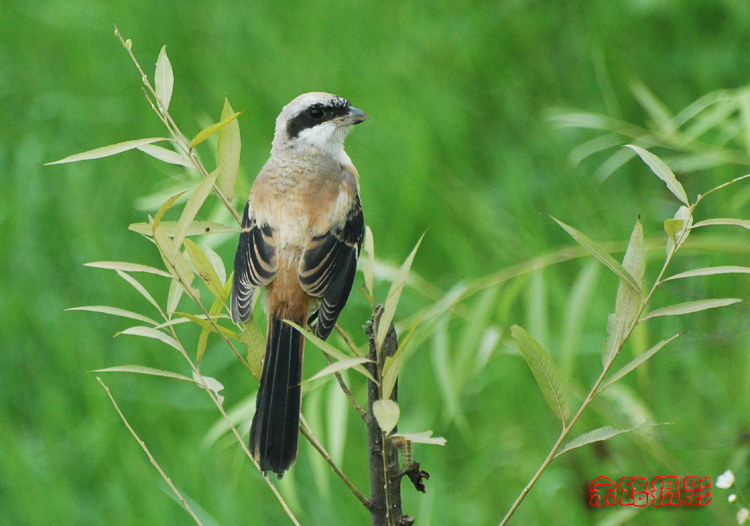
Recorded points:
(275, 430)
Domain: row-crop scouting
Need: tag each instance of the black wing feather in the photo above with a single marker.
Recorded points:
(328, 266)
(254, 264)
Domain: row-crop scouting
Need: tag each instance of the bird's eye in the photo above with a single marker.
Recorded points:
(316, 113)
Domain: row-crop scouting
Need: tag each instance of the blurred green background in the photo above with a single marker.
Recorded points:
(459, 143)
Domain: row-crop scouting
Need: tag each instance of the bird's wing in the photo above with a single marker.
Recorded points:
(328, 265)
(255, 263)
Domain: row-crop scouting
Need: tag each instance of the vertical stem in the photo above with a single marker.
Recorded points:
(385, 472)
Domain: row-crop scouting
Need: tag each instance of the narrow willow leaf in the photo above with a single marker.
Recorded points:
(392, 366)
(210, 384)
(228, 153)
(598, 435)
(212, 130)
(727, 221)
(600, 254)
(690, 307)
(545, 372)
(163, 210)
(214, 311)
(394, 295)
(216, 263)
(628, 302)
(386, 413)
(150, 332)
(663, 172)
(163, 80)
(174, 295)
(127, 267)
(423, 437)
(140, 369)
(638, 360)
(369, 268)
(678, 229)
(329, 349)
(106, 151)
(167, 156)
(195, 228)
(709, 271)
(206, 324)
(255, 341)
(173, 259)
(337, 367)
(114, 311)
(140, 288)
(204, 268)
(655, 108)
(192, 207)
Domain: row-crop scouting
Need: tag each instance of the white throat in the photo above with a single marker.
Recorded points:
(326, 137)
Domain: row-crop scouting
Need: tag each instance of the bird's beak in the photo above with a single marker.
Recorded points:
(355, 116)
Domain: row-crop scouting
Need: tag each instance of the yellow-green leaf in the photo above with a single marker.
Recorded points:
(636, 362)
(338, 366)
(598, 435)
(628, 302)
(690, 306)
(127, 267)
(163, 210)
(545, 372)
(663, 172)
(599, 253)
(195, 228)
(228, 153)
(369, 268)
(167, 156)
(106, 151)
(212, 130)
(204, 268)
(114, 311)
(386, 413)
(163, 80)
(140, 369)
(394, 295)
(192, 207)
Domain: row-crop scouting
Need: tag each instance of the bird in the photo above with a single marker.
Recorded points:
(300, 238)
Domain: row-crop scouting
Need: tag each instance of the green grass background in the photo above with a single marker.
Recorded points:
(459, 144)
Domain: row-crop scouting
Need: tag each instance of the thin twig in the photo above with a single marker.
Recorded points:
(150, 456)
(314, 442)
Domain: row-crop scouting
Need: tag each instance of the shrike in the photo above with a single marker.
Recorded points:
(302, 230)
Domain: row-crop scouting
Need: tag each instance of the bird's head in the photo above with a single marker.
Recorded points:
(316, 121)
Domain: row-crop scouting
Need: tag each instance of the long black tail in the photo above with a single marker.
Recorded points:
(275, 430)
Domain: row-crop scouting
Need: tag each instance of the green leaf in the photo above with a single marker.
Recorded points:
(150, 332)
(338, 366)
(710, 271)
(386, 413)
(204, 268)
(195, 228)
(163, 210)
(140, 369)
(163, 80)
(114, 311)
(638, 360)
(392, 365)
(174, 295)
(106, 151)
(329, 349)
(678, 229)
(192, 207)
(173, 259)
(394, 295)
(690, 307)
(369, 267)
(628, 302)
(657, 111)
(727, 221)
(598, 435)
(600, 254)
(140, 288)
(255, 341)
(423, 437)
(127, 267)
(662, 171)
(167, 156)
(214, 311)
(545, 372)
(207, 325)
(212, 130)
(228, 153)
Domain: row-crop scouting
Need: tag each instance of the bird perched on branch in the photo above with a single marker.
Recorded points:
(302, 230)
